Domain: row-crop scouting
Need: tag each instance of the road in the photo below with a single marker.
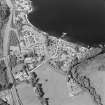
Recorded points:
(5, 54)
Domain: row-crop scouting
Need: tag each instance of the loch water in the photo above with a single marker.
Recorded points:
(82, 20)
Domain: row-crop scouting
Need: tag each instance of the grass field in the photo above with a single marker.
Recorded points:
(3, 76)
(1, 47)
(13, 39)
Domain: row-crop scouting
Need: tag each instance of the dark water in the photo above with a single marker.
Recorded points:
(83, 20)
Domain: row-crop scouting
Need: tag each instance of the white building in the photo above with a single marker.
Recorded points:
(14, 49)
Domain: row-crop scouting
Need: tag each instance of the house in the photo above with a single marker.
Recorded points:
(30, 66)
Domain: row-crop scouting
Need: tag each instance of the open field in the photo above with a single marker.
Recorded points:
(27, 95)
